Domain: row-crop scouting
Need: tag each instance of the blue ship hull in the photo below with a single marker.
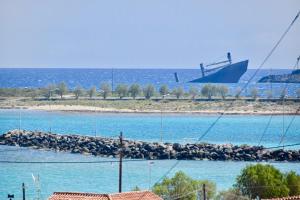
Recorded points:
(229, 74)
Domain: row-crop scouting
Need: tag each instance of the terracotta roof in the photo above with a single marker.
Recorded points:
(134, 195)
(286, 198)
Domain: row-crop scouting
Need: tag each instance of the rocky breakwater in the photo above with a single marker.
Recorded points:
(110, 147)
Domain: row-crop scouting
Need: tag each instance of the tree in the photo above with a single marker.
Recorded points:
(136, 188)
(163, 90)
(254, 93)
(49, 91)
(298, 93)
(121, 90)
(183, 187)
(178, 92)
(78, 91)
(260, 180)
(105, 90)
(238, 92)
(193, 92)
(92, 92)
(231, 194)
(283, 93)
(208, 90)
(149, 91)
(293, 183)
(222, 90)
(269, 94)
(62, 89)
(134, 90)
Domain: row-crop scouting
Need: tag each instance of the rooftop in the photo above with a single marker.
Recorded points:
(134, 195)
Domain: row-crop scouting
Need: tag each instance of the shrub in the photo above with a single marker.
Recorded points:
(149, 91)
(208, 90)
(92, 92)
(105, 90)
(78, 91)
(178, 92)
(254, 93)
(222, 90)
(122, 90)
(62, 89)
(193, 92)
(264, 181)
(134, 90)
(163, 90)
(183, 187)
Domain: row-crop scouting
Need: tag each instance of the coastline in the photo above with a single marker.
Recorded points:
(91, 109)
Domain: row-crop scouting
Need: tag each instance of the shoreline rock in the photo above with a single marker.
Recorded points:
(109, 147)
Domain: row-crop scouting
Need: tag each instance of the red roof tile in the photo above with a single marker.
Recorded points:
(134, 195)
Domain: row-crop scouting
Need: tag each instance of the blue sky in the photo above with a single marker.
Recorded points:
(145, 33)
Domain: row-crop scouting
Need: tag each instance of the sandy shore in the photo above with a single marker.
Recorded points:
(80, 108)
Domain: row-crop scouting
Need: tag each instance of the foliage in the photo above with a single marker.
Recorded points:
(78, 91)
(269, 94)
(134, 90)
(238, 92)
(163, 90)
(260, 180)
(293, 183)
(62, 89)
(105, 90)
(183, 187)
(122, 90)
(92, 92)
(136, 188)
(222, 90)
(50, 90)
(178, 92)
(254, 93)
(298, 93)
(231, 194)
(208, 90)
(149, 91)
(193, 92)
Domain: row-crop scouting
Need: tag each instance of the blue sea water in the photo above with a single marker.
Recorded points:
(32, 77)
(103, 177)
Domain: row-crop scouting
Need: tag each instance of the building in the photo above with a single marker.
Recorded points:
(134, 195)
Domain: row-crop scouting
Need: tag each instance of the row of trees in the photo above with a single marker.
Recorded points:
(134, 90)
(263, 181)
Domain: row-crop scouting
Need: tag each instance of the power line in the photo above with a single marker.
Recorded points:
(239, 92)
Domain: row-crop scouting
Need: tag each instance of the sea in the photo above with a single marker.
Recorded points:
(103, 177)
(41, 77)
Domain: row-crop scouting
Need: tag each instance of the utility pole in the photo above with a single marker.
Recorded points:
(120, 163)
(23, 191)
(204, 192)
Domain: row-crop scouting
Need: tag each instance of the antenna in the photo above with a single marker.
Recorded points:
(36, 181)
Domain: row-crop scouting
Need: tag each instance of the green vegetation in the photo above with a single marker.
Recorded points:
(62, 89)
(193, 92)
(134, 90)
(149, 91)
(223, 91)
(92, 92)
(209, 90)
(266, 181)
(79, 91)
(178, 92)
(163, 90)
(105, 90)
(183, 187)
(254, 93)
(231, 194)
(122, 90)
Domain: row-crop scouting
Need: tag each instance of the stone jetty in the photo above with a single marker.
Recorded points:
(110, 147)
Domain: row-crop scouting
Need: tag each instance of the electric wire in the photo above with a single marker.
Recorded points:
(239, 92)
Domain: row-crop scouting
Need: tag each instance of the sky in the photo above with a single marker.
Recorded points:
(146, 33)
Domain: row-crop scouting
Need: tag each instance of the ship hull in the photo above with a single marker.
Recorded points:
(229, 74)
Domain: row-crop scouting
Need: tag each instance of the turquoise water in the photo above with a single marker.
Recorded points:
(103, 177)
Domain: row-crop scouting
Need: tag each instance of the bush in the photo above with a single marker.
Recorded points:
(222, 90)
(208, 90)
(62, 89)
(149, 91)
(163, 90)
(178, 92)
(122, 90)
(193, 92)
(134, 90)
(79, 91)
(293, 183)
(183, 187)
(254, 93)
(92, 92)
(105, 90)
(264, 181)
(231, 194)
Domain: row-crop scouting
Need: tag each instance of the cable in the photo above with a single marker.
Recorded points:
(243, 88)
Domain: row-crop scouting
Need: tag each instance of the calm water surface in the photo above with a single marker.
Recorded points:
(103, 177)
